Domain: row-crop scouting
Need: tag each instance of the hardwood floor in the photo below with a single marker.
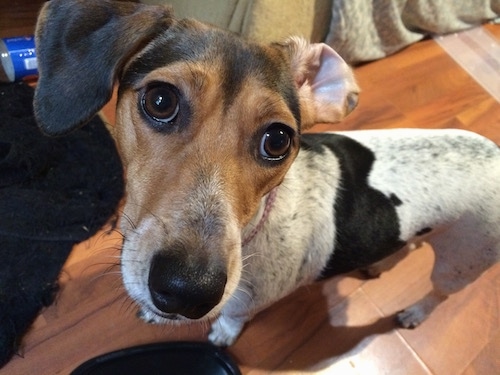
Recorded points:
(343, 325)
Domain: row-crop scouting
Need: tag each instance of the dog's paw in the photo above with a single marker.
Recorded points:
(411, 317)
(414, 315)
(225, 331)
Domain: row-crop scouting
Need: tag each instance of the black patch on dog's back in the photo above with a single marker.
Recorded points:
(367, 226)
(395, 200)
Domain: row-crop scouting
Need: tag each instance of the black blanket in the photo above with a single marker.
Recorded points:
(54, 192)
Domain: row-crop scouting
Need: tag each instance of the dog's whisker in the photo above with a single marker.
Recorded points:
(248, 257)
(106, 273)
(98, 265)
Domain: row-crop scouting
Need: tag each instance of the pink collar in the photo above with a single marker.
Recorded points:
(271, 197)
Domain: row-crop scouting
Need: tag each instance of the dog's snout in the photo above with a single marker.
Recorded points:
(183, 288)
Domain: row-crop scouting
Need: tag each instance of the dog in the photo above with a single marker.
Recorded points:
(229, 205)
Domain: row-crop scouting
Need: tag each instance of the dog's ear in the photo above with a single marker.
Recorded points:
(326, 85)
(81, 47)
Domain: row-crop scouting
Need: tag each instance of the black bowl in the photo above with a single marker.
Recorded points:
(172, 358)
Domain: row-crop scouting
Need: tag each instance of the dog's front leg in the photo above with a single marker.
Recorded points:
(226, 329)
(229, 324)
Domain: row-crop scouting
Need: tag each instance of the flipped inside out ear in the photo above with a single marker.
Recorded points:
(81, 47)
(326, 85)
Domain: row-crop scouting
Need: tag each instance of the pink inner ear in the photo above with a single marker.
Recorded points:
(334, 79)
(328, 85)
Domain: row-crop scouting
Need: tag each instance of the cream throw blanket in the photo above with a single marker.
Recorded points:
(362, 30)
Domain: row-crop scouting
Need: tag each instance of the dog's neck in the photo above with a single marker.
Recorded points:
(263, 213)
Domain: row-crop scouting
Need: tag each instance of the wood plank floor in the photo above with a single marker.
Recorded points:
(343, 325)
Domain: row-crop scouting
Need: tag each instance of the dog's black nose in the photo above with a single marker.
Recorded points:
(178, 286)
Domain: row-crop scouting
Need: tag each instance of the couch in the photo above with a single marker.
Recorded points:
(360, 30)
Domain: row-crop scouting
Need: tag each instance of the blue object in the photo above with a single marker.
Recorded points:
(18, 58)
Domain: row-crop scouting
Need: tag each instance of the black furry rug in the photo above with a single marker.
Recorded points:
(54, 193)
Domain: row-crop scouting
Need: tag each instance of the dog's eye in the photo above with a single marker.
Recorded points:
(160, 101)
(276, 142)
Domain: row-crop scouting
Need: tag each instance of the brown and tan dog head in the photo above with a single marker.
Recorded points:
(207, 124)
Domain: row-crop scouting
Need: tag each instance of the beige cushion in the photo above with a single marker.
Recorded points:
(261, 20)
